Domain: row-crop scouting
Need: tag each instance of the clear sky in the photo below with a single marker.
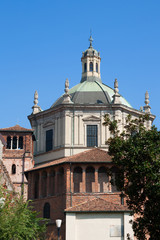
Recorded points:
(41, 44)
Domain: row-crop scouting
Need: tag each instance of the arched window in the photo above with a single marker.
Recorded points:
(114, 179)
(85, 67)
(90, 179)
(52, 183)
(20, 143)
(46, 210)
(44, 184)
(77, 178)
(103, 180)
(97, 67)
(14, 145)
(36, 186)
(13, 169)
(8, 142)
(91, 67)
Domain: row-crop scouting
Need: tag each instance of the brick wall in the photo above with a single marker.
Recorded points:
(66, 198)
(21, 158)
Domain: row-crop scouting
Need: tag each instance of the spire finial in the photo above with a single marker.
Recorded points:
(36, 108)
(146, 98)
(116, 90)
(66, 96)
(116, 96)
(147, 107)
(66, 86)
(35, 98)
(90, 39)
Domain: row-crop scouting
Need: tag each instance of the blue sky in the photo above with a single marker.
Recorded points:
(41, 44)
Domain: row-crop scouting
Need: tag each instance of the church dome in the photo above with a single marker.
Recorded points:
(91, 90)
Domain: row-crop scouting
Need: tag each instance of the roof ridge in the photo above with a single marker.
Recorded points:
(105, 93)
(83, 202)
(16, 127)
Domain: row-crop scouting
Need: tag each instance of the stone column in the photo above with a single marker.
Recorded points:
(56, 133)
(109, 184)
(11, 142)
(72, 184)
(96, 180)
(67, 179)
(84, 180)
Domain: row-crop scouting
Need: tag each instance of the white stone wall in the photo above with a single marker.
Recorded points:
(98, 226)
(69, 130)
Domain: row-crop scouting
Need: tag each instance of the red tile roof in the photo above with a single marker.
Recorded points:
(16, 128)
(94, 155)
(98, 205)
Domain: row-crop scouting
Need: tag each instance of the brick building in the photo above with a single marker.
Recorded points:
(5, 179)
(79, 187)
(71, 179)
(17, 155)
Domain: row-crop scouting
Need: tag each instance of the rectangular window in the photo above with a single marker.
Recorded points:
(49, 140)
(92, 136)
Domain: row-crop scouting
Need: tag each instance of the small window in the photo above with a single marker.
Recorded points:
(91, 67)
(14, 146)
(97, 67)
(8, 142)
(92, 136)
(13, 169)
(20, 143)
(49, 140)
(46, 210)
(85, 67)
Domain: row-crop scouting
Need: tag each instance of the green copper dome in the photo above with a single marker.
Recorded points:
(91, 92)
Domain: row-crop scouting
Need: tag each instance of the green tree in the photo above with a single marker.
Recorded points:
(18, 221)
(136, 152)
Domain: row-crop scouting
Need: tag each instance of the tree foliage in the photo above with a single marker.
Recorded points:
(136, 151)
(18, 221)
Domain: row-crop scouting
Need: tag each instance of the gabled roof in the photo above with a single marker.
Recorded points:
(98, 205)
(95, 155)
(16, 128)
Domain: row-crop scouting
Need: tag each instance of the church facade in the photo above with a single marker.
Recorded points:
(74, 178)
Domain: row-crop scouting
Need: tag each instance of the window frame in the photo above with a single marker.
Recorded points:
(13, 169)
(91, 136)
(47, 210)
(91, 66)
(51, 141)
